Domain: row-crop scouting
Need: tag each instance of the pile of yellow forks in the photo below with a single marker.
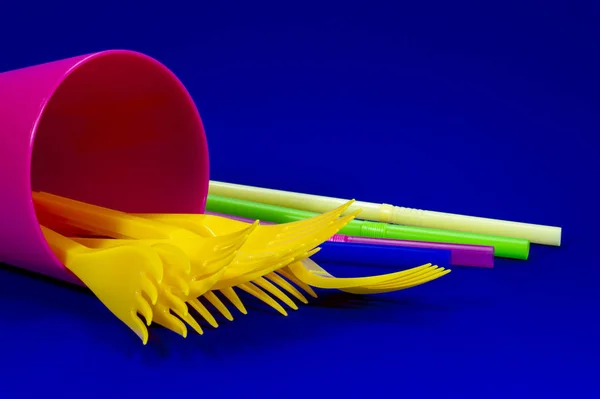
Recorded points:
(160, 265)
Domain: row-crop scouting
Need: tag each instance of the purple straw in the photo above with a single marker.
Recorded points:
(461, 254)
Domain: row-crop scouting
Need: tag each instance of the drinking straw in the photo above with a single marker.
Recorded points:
(504, 247)
(538, 234)
(460, 254)
(380, 255)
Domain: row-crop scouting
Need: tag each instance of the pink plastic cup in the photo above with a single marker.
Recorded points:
(114, 128)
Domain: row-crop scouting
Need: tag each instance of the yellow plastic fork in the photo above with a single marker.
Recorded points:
(115, 224)
(124, 279)
(262, 241)
(102, 221)
(209, 255)
(297, 236)
(268, 279)
(171, 300)
(312, 274)
(287, 248)
(170, 307)
(297, 244)
(304, 236)
(271, 248)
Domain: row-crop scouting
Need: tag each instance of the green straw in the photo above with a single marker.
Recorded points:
(504, 247)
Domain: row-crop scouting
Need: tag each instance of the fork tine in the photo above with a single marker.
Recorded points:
(398, 287)
(248, 270)
(322, 233)
(336, 212)
(316, 228)
(434, 276)
(230, 294)
(190, 321)
(422, 274)
(392, 279)
(287, 274)
(338, 224)
(269, 287)
(155, 268)
(234, 240)
(179, 283)
(418, 278)
(414, 284)
(175, 302)
(285, 257)
(442, 273)
(417, 275)
(144, 308)
(201, 309)
(213, 265)
(259, 294)
(280, 281)
(177, 266)
(286, 235)
(310, 273)
(149, 288)
(327, 229)
(217, 259)
(171, 254)
(427, 277)
(140, 329)
(218, 304)
(290, 231)
(222, 253)
(200, 286)
(167, 320)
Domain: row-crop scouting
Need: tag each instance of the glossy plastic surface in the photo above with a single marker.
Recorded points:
(114, 128)
(117, 276)
(275, 242)
(309, 272)
(379, 255)
(207, 255)
(302, 272)
(461, 254)
(503, 246)
(535, 233)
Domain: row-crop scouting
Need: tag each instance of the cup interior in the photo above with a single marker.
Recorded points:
(122, 132)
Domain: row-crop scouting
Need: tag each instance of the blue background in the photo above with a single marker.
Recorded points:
(481, 108)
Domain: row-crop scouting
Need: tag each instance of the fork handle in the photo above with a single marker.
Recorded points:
(103, 220)
(61, 246)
